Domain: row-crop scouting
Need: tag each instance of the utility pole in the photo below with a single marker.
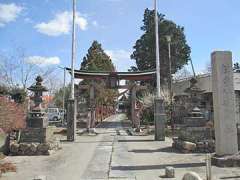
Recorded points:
(159, 112)
(64, 86)
(71, 114)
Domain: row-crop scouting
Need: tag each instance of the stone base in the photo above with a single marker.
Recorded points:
(226, 161)
(32, 149)
(29, 149)
(190, 147)
(37, 135)
(159, 119)
(195, 134)
(71, 120)
(194, 121)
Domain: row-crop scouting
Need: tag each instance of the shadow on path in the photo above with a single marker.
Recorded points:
(109, 124)
(166, 149)
(152, 167)
(230, 177)
(136, 140)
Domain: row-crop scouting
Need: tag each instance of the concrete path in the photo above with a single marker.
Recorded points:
(113, 154)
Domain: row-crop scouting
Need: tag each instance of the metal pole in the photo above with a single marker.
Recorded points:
(73, 50)
(157, 52)
(194, 74)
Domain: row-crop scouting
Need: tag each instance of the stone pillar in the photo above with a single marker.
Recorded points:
(159, 118)
(133, 106)
(223, 102)
(92, 106)
(71, 120)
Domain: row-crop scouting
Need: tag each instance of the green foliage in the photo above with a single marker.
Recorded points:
(236, 67)
(58, 96)
(18, 94)
(97, 60)
(144, 48)
(3, 90)
(147, 116)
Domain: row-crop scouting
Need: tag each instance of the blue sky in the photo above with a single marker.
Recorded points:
(43, 28)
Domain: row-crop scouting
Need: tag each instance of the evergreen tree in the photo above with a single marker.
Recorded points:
(144, 48)
(97, 59)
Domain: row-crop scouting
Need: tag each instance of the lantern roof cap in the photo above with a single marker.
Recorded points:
(38, 86)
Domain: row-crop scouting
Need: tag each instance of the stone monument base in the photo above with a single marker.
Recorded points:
(29, 149)
(195, 134)
(226, 161)
(206, 146)
(194, 121)
(37, 135)
(33, 142)
(159, 119)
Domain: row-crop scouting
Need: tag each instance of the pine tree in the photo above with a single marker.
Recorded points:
(144, 48)
(97, 59)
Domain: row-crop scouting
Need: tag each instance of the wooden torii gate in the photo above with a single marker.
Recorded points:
(113, 81)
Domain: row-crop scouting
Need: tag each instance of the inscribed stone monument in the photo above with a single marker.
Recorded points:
(224, 105)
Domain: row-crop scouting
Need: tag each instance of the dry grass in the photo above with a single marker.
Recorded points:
(7, 167)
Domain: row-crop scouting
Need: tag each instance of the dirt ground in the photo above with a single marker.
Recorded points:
(113, 154)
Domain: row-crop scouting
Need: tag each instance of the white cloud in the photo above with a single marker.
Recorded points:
(95, 23)
(121, 59)
(117, 55)
(61, 24)
(42, 61)
(28, 20)
(9, 13)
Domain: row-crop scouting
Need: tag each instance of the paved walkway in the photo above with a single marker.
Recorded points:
(113, 154)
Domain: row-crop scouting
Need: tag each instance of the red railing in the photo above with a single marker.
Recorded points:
(103, 111)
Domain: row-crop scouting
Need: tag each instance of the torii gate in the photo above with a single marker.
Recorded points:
(113, 79)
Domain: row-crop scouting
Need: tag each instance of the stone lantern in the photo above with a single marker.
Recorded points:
(36, 117)
(195, 116)
(37, 120)
(194, 91)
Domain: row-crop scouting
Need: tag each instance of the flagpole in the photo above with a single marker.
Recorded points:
(73, 50)
(157, 52)
(71, 114)
(159, 112)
